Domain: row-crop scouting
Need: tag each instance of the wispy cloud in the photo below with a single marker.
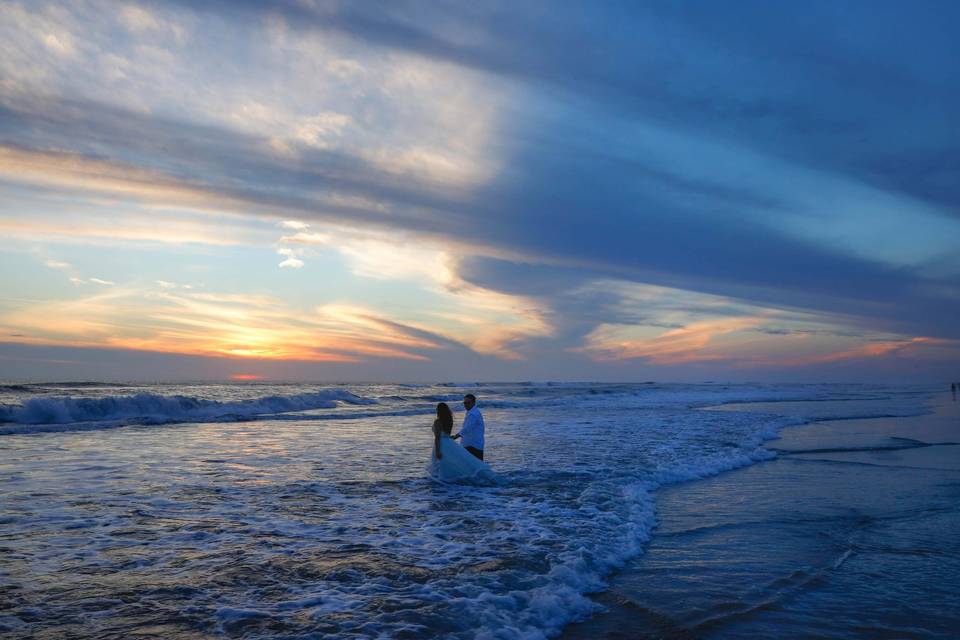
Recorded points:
(47, 169)
(675, 346)
(99, 281)
(232, 325)
(166, 284)
(904, 348)
(490, 321)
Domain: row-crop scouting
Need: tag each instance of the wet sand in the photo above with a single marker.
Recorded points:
(850, 532)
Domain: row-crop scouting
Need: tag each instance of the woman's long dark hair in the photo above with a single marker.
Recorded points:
(445, 418)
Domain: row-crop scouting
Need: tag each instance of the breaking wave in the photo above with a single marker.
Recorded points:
(152, 408)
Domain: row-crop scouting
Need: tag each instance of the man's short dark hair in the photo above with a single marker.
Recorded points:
(472, 397)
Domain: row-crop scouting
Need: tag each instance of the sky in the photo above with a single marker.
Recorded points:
(437, 191)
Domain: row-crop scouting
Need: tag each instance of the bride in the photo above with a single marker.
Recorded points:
(451, 462)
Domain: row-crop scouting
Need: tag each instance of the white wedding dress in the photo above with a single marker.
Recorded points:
(457, 464)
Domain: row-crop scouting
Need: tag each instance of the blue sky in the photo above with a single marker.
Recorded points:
(423, 191)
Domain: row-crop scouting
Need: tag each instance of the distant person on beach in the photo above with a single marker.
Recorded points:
(953, 390)
(471, 433)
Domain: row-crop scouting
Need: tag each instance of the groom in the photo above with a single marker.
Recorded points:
(472, 429)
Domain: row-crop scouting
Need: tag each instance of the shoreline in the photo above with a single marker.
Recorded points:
(760, 551)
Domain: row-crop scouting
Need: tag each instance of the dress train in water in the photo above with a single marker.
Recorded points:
(458, 464)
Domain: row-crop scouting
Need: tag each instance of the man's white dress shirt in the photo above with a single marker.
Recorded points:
(471, 433)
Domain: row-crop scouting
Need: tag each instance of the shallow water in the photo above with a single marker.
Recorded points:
(848, 533)
(322, 522)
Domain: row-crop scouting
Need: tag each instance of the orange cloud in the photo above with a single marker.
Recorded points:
(488, 321)
(241, 326)
(129, 227)
(676, 346)
(869, 350)
(81, 173)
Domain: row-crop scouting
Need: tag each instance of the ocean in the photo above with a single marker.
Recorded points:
(306, 511)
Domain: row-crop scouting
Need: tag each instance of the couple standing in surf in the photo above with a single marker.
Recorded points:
(451, 461)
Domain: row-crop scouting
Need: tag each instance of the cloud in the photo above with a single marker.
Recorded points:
(166, 284)
(138, 19)
(669, 244)
(489, 321)
(99, 281)
(291, 261)
(319, 130)
(57, 264)
(97, 220)
(393, 255)
(905, 348)
(223, 325)
(66, 170)
(681, 345)
(303, 237)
